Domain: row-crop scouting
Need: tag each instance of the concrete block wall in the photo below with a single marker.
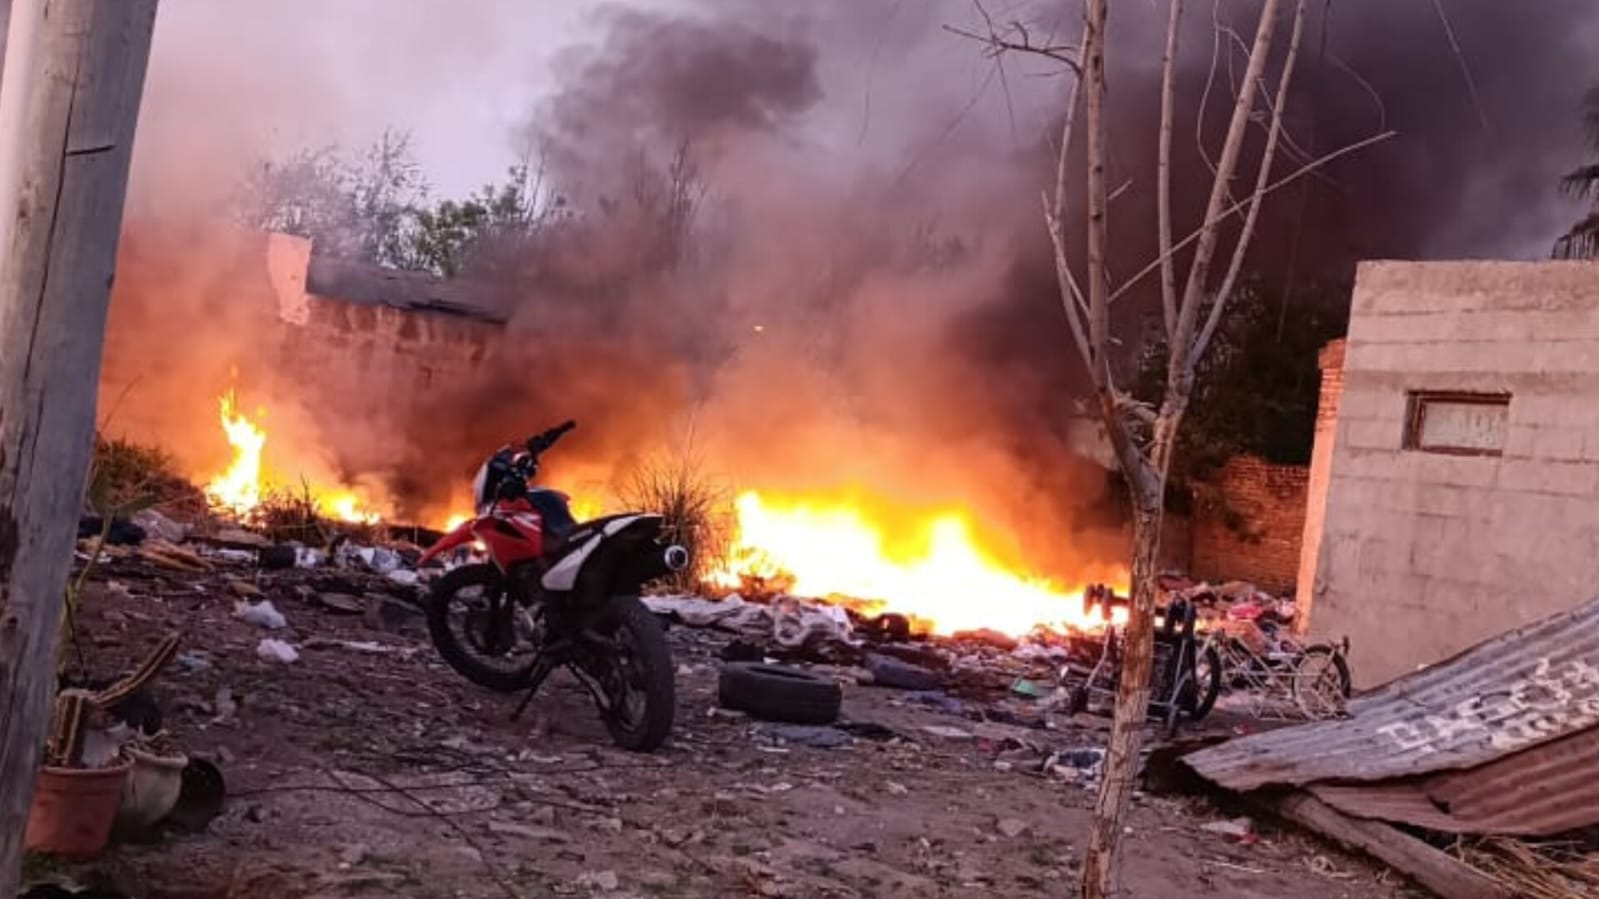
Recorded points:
(1249, 524)
(1420, 554)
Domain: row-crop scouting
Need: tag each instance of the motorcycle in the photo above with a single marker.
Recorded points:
(554, 593)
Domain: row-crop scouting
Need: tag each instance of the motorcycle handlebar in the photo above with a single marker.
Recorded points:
(541, 442)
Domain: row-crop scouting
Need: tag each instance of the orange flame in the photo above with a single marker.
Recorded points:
(941, 576)
(239, 489)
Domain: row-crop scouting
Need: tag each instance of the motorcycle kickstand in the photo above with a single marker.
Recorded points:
(541, 671)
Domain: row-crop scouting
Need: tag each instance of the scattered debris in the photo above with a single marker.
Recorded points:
(261, 614)
(1241, 830)
(342, 602)
(244, 589)
(1011, 828)
(175, 558)
(817, 737)
(890, 672)
(404, 577)
(270, 650)
(238, 538)
(604, 881)
(161, 527)
(386, 613)
(944, 731)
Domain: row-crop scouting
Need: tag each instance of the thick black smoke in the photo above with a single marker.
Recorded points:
(858, 290)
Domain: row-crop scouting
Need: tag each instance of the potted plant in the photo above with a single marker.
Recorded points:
(152, 787)
(78, 793)
(80, 787)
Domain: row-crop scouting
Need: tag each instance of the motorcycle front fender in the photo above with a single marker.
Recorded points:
(461, 536)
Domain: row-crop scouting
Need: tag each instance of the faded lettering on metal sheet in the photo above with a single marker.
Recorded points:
(1528, 710)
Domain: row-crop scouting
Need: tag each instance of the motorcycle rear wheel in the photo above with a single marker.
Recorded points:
(504, 672)
(641, 686)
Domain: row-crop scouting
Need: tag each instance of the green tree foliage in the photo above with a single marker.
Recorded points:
(356, 207)
(1259, 386)
(446, 236)
(1582, 241)
(373, 206)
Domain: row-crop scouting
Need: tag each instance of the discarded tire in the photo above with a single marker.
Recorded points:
(777, 693)
(887, 672)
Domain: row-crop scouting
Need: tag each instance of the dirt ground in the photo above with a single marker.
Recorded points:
(367, 768)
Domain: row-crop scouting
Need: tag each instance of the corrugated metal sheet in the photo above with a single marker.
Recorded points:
(1523, 689)
(1542, 791)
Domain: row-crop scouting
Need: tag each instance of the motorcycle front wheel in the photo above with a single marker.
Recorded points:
(479, 629)
(638, 678)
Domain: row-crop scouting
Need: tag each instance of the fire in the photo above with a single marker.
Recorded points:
(941, 575)
(239, 489)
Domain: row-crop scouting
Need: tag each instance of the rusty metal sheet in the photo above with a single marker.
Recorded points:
(1542, 791)
(1522, 689)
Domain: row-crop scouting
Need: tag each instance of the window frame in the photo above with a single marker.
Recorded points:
(1416, 403)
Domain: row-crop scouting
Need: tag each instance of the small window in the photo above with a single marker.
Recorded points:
(1460, 424)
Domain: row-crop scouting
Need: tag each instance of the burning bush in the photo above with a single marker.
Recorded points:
(698, 511)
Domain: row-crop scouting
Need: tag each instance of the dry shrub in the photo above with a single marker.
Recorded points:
(698, 510)
(286, 514)
(124, 474)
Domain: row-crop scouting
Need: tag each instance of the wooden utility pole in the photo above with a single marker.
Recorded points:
(56, 267)
(5, 23)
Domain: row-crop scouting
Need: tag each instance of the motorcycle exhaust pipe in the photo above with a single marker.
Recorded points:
(675, 558)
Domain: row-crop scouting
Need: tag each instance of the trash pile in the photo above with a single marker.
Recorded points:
(379, 581)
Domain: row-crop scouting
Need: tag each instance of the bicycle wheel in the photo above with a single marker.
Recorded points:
(1207, 676)
(1320, 684)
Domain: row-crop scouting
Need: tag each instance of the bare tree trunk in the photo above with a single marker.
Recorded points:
(55, 280)
(1132, 703)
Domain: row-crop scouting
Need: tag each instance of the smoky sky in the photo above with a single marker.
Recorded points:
(863, 167)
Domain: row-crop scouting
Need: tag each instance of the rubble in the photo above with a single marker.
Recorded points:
(260, 614)
(270, 650)
(161, 527)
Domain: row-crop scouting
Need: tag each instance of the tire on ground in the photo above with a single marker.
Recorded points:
(779, 693)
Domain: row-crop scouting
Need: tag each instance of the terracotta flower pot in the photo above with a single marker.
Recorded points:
(73, 809)
(151, 789)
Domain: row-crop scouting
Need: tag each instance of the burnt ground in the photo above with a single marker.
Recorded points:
(373, 770)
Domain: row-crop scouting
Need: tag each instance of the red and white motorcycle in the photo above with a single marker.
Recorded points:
(554, 593)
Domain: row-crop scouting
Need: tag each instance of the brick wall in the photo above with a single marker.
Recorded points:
(195, 313)
(1423, 554)
(1248, 524)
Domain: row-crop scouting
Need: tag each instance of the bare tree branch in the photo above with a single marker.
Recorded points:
(1295, 175)
(1097, 198)
(1168, 103)
(1055, 217)
(1465, 68)
(1016, 39)
(1181, 345)
(1262, 179)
